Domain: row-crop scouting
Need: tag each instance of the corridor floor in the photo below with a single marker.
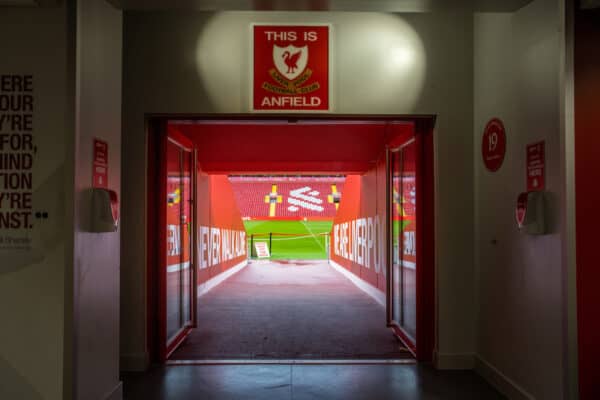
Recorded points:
(289, 310)
(322, 382)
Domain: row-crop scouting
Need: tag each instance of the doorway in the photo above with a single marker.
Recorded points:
(367, 244)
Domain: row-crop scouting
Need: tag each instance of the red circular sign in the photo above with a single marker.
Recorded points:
(493, 145)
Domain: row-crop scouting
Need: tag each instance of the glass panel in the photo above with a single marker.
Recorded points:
(409, 250)
(396, 277)
(186, 232)
(174, 253)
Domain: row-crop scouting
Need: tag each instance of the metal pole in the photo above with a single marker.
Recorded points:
(270, 243)
(251, 245)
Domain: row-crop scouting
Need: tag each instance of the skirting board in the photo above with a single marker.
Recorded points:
(116, 393)
(205, 287)
(454, 361)
(369, 289)
(501, 382)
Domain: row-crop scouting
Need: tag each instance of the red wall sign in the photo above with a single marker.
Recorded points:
(493, 145)
(521, 210)
(291, 68)
(100, 164)
(536, 166)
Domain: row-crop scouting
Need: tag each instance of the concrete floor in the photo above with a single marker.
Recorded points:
(280, 382)
(289, 310)
(259, 313)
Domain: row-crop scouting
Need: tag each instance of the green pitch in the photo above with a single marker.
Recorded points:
(308, 246)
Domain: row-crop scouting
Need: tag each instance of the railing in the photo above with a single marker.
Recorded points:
(287, 244)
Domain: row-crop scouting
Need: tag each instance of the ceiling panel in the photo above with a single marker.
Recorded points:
(280, 147)
(590, 4)
(329, 5)
(18, 3)
(29, 3)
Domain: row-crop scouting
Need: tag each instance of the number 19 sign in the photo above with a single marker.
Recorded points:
(493, 145)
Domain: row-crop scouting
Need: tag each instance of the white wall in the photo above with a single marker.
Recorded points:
(193, 63)
(517, 70)
(97, 255)
(59, 300)
(33, 344)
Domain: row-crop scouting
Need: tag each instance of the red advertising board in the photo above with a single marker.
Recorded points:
(536, 165)
(291, 68)
(493, 145)
(100, 164)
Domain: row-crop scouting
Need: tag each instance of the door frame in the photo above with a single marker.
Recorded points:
(156, 125)
(426, 311)
(157, 346)
(185, 145)
(426, 315)
(392, 323)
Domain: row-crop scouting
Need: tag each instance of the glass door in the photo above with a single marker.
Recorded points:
(403, 241)
(178, 267)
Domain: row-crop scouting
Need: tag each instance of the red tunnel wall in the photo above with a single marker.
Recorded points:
(363, 212)
(220, 233)
(359, 206)
(220, 230)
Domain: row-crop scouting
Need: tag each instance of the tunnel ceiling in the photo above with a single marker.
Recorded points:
(281, 147)
(328, 5)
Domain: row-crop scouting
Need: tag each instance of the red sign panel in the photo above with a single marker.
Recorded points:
(291, 68)
(493, 145)
(100, 164)
(262, 251)
(536, 165)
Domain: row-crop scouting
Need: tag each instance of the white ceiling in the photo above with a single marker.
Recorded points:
(326, 5)
(305, 5)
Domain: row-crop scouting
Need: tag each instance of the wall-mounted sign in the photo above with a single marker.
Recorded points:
(262, 250)
(100, 165)
(18, 154)
(291, 68)
(536, 165)
(493, 145)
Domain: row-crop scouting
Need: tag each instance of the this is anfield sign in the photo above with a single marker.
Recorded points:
(291, 68)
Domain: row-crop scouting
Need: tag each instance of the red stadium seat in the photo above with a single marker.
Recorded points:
(295, 197)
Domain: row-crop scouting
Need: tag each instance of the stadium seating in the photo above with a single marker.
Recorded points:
(295, 197)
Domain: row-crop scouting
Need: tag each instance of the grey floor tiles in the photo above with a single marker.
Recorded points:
(356, 382)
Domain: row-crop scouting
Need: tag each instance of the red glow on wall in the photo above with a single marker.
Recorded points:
(587, 142)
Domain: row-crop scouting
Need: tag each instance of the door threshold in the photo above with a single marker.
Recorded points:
(283, 361)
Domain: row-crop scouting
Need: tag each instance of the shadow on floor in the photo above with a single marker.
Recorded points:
(252, 382)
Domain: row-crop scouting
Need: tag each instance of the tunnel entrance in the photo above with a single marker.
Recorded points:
(304, 239)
